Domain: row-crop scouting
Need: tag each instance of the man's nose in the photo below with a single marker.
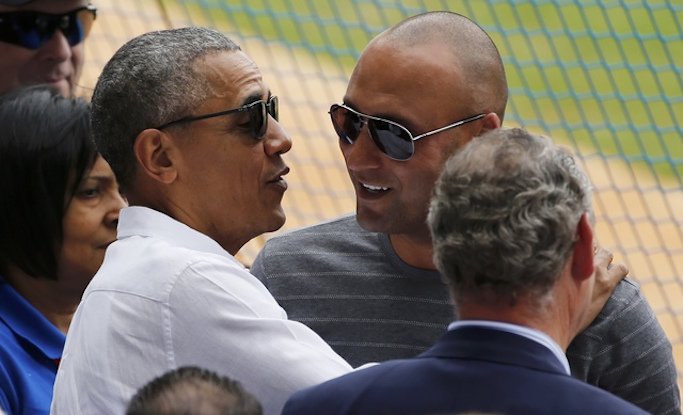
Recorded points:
(57, 48)
(362, 153)
(276, 141)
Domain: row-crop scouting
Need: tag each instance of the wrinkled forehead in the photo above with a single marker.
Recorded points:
(47, 6)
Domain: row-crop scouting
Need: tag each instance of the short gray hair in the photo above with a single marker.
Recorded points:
(504, 215)
(149, 81)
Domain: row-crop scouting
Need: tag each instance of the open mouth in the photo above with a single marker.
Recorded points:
(374, 189)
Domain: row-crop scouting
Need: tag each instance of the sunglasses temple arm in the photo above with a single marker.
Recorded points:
(448, 127)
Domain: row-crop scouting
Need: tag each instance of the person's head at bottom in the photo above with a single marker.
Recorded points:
(191, 390)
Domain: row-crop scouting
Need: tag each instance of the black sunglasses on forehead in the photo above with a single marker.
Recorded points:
(393, 139)
(32, 29)
(258, 116)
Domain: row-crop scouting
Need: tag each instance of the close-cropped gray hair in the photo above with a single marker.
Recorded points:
(149, 81)
(504, 216)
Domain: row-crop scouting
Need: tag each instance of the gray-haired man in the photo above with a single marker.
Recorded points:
(189, 126)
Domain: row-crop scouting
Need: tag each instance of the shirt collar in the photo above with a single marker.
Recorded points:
(143, 221)
(26, 322)
(531, 334)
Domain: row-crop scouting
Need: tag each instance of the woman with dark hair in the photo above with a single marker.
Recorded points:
(59, 204)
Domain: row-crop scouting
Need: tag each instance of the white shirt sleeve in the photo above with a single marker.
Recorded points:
(229, 322)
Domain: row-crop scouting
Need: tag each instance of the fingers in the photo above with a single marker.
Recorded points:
(604, 261)
(620, 270)
(607, 277)
(603, 257)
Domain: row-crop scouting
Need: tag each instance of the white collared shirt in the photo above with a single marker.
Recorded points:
(168, 296)
(531, 334)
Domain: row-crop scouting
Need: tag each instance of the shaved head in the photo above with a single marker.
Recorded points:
(424, 73)
(474, 54)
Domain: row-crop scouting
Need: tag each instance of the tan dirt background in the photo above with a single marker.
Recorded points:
(639, 218)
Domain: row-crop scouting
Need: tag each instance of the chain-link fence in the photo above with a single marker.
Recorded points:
(605, 78)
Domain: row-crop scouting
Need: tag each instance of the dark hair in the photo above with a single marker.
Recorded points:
(192, 390)
(45, 149)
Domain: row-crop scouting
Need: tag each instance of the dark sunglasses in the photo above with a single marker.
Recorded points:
(258, 116)
(31, 29)
(393, 139)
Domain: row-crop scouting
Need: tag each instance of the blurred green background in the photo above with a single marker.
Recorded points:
(603, 76)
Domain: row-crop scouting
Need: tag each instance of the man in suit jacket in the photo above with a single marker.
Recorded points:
(512, 227)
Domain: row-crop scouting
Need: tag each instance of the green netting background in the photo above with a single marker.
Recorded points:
(604, 78)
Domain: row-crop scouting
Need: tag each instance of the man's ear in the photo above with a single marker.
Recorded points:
(583, 258)
(490, 122)
(154, 151)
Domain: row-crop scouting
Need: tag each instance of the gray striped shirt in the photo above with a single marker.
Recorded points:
(349, 286)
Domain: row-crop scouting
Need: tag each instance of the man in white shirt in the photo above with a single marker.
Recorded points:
(190, 128)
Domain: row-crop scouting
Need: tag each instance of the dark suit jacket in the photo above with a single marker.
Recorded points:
(468, 369)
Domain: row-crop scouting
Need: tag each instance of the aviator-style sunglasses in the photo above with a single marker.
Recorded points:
(32, 29)
(393, 139)
(258, 116)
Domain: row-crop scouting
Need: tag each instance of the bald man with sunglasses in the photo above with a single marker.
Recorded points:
(41, 42)
(367, 283)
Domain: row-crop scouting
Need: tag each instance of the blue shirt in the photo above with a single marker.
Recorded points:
(30, 349)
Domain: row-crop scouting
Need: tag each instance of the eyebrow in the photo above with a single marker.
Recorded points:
(399, 120)
(102, 178)
(256, 97)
